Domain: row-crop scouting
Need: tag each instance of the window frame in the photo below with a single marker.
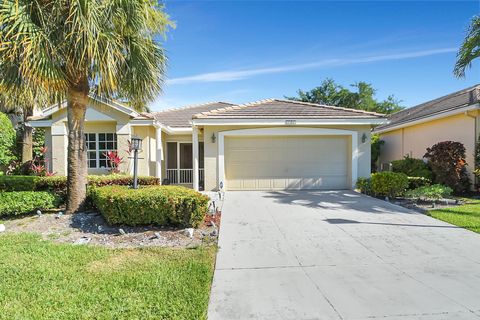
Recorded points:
(97, 150)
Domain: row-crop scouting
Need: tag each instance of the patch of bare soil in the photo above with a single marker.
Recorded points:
(91, 228)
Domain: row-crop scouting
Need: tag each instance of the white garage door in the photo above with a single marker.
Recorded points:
(275, 163)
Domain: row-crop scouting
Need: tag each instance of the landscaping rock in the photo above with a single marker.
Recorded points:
(193, 245)
(158, 235)
(189, 232)
(59, 215)
(2, 228)
(122, 232)
(82, 240)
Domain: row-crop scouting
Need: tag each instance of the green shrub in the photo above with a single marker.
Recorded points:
(58, 184)
(22, 202)
(417, 182)
(364, 185)
(434, 192)
(391, 184)
(159, 205)
(18, 183)
(412, 167)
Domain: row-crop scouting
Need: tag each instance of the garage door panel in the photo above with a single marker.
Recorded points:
(266, 163)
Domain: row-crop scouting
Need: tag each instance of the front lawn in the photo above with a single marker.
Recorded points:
(466, 216)
(45, 280)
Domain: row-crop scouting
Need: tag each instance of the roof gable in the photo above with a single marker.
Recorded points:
(285, 109)
(94, 101)
(182, 117)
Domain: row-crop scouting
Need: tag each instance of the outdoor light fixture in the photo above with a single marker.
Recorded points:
(364, 137)
(214, 138)
(136, 145)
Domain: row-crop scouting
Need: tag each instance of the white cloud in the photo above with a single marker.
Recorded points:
(233, 75)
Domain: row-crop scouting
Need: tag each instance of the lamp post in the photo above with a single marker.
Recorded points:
(136, 146)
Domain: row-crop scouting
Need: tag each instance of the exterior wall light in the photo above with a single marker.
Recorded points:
(364, 137)
(214, 138)
(136, 146)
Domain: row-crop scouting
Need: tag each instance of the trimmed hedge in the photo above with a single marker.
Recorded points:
(412, 167)
(18, 183)
(389, 184)
(159, 205)
(58, 184)
(22, 202)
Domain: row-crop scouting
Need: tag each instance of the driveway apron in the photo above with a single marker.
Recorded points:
(340, 255)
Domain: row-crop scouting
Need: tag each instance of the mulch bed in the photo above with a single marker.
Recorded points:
(91, 228)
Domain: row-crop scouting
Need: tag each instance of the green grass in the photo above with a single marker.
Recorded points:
(44, 280)
(466, 216)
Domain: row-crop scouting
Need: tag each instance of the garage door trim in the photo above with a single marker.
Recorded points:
(288, 131)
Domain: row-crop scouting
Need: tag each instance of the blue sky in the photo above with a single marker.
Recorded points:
(241, 51)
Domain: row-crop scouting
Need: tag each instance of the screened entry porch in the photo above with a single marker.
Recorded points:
(179, 163)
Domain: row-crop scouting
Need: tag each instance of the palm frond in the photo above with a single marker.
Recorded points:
(470, 48)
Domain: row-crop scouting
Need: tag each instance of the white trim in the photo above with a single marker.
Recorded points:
(159, 153)
(432, 117)
(40, 123)
(287, 122)
(285, 131)
(195, 163)
(142, 122)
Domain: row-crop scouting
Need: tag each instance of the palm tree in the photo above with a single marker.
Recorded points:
(470, 48)
(74, 47)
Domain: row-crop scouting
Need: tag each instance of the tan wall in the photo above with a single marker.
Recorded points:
(112, 120)
(59, 153)
(211, 150)
(414, 140)
(144, 155)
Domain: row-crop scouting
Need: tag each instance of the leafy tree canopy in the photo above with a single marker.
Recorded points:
(470, 48)
(7, 140)
(362, 97)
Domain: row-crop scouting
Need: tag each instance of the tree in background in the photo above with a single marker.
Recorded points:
(75, 48)
(470, 48)
(376, 145)
(7, 141)
(362, 98)
(19, 102)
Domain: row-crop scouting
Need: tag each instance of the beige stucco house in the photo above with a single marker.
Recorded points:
(454, 117)
(265, 145)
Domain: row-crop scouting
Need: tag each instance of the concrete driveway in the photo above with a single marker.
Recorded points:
(340, 255)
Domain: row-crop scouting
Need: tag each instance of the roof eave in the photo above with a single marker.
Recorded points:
(431, 117)
(285, 121)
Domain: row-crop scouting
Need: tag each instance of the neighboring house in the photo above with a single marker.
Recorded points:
(454, 117)
(265, 145)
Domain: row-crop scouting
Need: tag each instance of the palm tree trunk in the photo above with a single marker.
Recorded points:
(77, 155)
(27, 137)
